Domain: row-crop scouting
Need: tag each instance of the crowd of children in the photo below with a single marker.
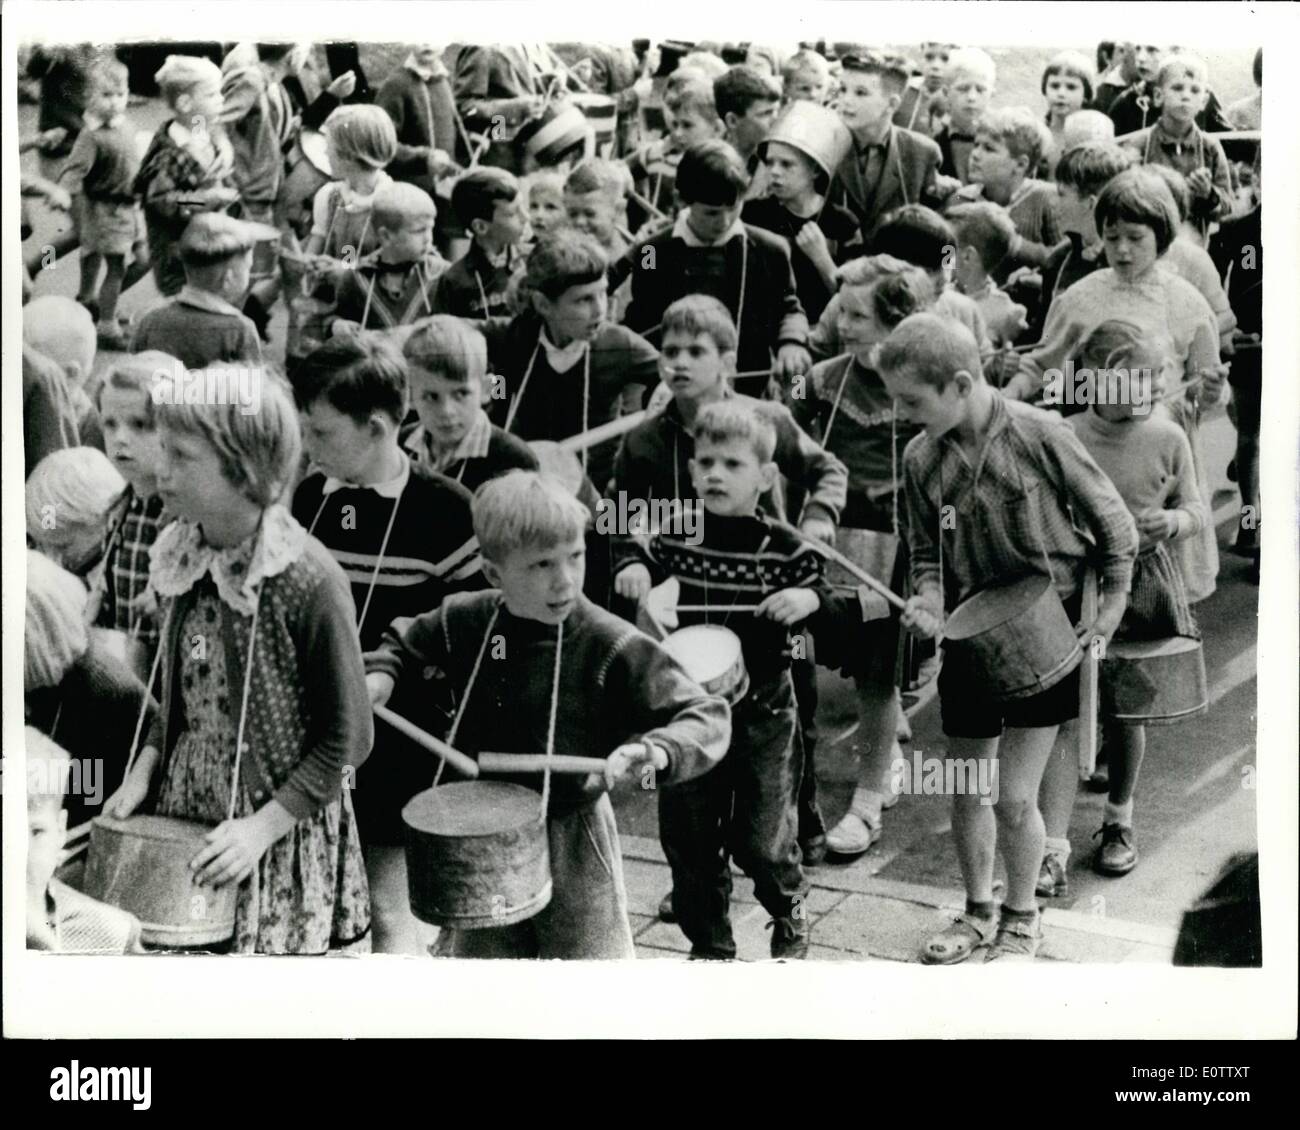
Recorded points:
(824, 297)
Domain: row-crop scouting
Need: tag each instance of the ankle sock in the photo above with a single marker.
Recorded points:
(980, 909)
(1009, 915)
(1121, 814)
(1058, 847)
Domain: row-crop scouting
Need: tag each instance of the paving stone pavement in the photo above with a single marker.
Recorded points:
(858, 917)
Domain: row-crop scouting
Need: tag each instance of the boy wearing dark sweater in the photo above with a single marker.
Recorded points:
(203, 324)
(404, 537)
(565, 368)
(759, 580)
(446, 360)
(710, 251)
(567, 678)
(487, 202)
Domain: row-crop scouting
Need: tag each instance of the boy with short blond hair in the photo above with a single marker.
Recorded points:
(968, 86)
(914, 110)
(204, 323)
(447, 367)
(566, 672)
(931, 368)
(1177, 141)
(189, 166)
(396, 283)
(1008, 146)
(64, 332)
(691, 115)
(805, 77)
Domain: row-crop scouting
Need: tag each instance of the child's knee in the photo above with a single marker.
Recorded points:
(1013, 809)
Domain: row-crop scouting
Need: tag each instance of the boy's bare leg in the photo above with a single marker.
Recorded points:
(111, 289)
(91, 262)
(878, 712)
(1021, 761)
(139, 265)
(1130, 747)
(974, 827)
(1060, 783)
(393, 926)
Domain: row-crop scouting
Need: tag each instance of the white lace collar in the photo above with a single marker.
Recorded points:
(180, 557)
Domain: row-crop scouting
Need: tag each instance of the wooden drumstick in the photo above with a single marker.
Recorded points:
(603, 432)
(1087, 733)
(563, 764)
(832, 554)
(427, 741)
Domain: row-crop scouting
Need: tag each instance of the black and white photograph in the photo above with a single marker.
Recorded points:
(658, 499)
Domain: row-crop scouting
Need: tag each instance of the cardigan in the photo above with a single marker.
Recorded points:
(472, 279)
(423, 116)
(309, 712)
(616, 686)
(768, 312)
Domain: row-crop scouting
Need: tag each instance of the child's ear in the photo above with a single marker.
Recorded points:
(895, 100)
(965, 382)
(729, 119)
(767, 476)
(728, 363)
(491, 572)
(542, 304)
(478, 226)
(1022, 165)
(378, 426)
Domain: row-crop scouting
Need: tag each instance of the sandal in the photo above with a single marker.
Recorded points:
(1017, 940)
(1053, 879)
(957, 942)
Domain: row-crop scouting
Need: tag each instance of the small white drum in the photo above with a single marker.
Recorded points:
(712, 657)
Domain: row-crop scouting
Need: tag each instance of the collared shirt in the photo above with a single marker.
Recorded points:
(473, 445)
(128, 565)
(391, 489)
(562, 358)
(682, 230)
(1016, 508)
(206, 300)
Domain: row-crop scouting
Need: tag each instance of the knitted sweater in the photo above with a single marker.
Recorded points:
(654, 463)
(1154, 146)
(431, 549)
(838, 225)
(1160, 299)
(199, 335)
(550, 405)
(616, 686)
(308, 710)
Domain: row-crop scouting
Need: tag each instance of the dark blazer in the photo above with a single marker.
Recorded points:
(911, 163)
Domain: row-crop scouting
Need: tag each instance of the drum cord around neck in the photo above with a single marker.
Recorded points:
(586, 392)
(550, 726)
(243, 704)
(469, 686)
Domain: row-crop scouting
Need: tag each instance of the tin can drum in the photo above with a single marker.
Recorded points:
(1018, 635)
(308, 172)
(142, 865)
(1154, 683)
(477, 855)
(711, 656)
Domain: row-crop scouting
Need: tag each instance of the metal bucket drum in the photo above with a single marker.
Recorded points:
(307, 171)
(142, 865)
(815, 131)
(477, 855)
(1017, 635)
(601, 112)
(562, 128)
(1156, 682)
(711, 656)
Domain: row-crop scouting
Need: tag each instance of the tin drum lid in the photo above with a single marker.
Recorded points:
(991, 608)
(472, 808)
(169, 829)
(1150, 649)
(315, 148)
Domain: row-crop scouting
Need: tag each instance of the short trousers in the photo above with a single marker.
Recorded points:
(967, 710)
(111, 228)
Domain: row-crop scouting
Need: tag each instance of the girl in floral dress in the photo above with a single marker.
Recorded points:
(263, 685)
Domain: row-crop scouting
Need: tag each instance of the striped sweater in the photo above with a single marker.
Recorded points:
(430, 552)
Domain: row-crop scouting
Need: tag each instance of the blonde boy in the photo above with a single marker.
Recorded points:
(968, 86)
(565, 671)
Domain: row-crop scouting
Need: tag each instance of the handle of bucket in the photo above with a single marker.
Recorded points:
(464, 700)
(1087, 732)
(549, 759)
(426, 740)
(148, 689)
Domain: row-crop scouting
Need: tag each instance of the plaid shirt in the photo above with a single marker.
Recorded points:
(1032, 488)
(127, 570)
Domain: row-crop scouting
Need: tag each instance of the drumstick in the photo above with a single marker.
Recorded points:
(538, 763)
(637, 198)
(1087, 734)
(434, 745)
(77, 833)
(835, 555)
(714, 608)
(603, 432)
